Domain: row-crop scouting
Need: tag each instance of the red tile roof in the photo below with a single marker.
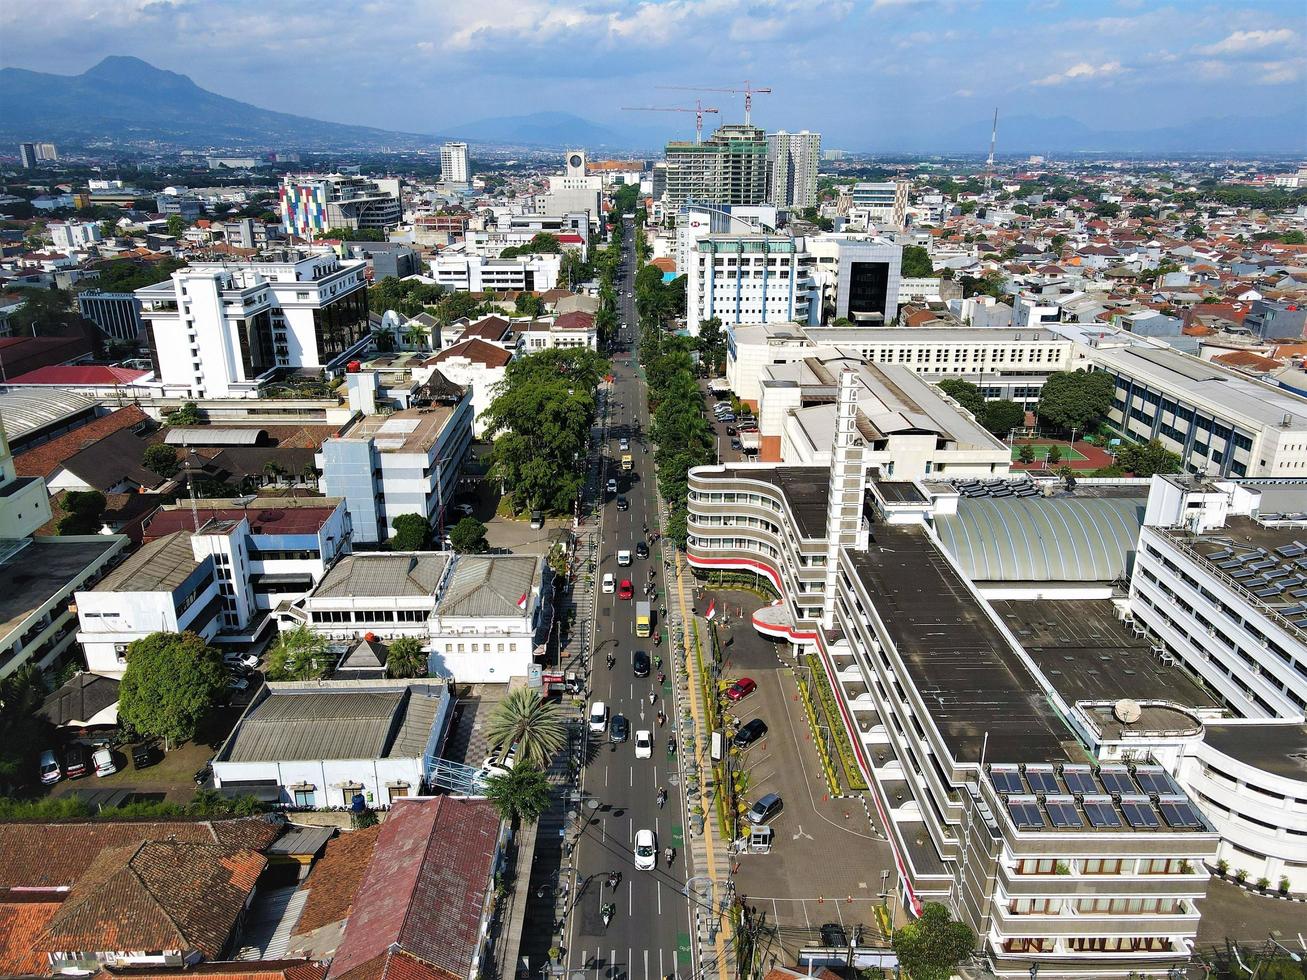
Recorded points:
(489, 328)
(574, 320)
(80, 374)
(474, 349)
(423, 893)
(42, 460)
(664, 264)
(335, 879)
(264, 517)
(1248, 360)
(287, 969)
(23, 917)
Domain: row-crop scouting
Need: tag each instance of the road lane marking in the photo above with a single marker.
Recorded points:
(646, 963)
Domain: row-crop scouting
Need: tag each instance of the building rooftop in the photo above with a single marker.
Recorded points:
(160, 566)
(1087, 654)
(80, 700)
(410, 430)
(806, 489)
(484, 585)
(1277, 747)
(971, 678)
(415, 573)
(40, 570)
(44, 458)
(80, 374)
(267, 515)
(26, 411)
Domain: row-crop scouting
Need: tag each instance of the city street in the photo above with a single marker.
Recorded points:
(649, 936)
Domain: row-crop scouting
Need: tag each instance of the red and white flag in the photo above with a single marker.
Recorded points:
(521, 603)
(712, 610)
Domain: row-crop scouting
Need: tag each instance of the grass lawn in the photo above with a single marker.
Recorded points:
(1042, 449)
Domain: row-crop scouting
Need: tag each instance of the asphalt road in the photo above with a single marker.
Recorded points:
(649, 936)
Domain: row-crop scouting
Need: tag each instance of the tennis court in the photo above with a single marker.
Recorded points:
(1042, 450)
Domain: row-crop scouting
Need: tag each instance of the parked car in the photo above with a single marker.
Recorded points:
(741, 689)
(640, 663)
(833, 936)
(598, 718)
(750, 733)
(765, 809)
(609, 584)
(49, 768)
(75, 761)
(103, 761)
(145, 755)
(646, 850)
(643, 744)
(619, 729)
(467, 510)
(641, 551)
(235, 658)
(728, 417)
(731, 430)
(237, 683)
(737, 445)
(625, 590)
(537, 519)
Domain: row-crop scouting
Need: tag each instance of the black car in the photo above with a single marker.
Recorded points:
(145, 755)
(750, 733)
(642, 551)
(730, 430)
(640, 663)
(75, 761)
(833, 937)
(619, 729)
(736, 444)
(623, 503)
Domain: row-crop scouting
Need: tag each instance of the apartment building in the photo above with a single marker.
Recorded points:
(73, 235)
(1218, 421)
(792, 168)
(1061, 862)
(224, 329)
(453, 164)
(754, 278)
(478, 274)
(730, 167)
(880, 203)
(311, 204)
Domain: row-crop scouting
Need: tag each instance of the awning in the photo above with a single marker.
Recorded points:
(301, 787)
(398, 784)
(264, 794)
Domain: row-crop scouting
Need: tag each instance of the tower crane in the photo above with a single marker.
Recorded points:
(748, 90)
(698, 110)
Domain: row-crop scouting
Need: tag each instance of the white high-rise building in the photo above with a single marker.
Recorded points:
(453, 164)
(74, 234)
(574, 190)
(792, 168)
(754, 278)
(218, 329)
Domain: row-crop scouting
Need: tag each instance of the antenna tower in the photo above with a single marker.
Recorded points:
(989, 164)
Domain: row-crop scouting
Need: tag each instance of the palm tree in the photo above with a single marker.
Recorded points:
(415, 334)
(526, 720)
(272, 469)
(384, 339)
(520, 795)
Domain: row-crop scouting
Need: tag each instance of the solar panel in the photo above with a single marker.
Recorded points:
(1041, 779)
(1219, 555)
(1080, 780)
(1117, 780)
(1062, 811)
(1290, 550)
(1155, 779)
(1006, 780)
(1100, 812)
(1179, 812)
(1139, 812)
(1226, 566)
(1025, 813)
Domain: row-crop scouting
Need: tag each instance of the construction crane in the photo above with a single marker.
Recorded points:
(748, 90)
(698, 110)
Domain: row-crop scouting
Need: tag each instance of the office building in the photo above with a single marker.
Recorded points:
(312, 204)
(27, 155)
(477, 274)
(866, 277)
(792, 169)
(574, 190)
(187, 207)
(118, 315)
(386, 259)
(453, 164)
(407, 462)
(222, 329)
(754, 278)
(883, 203)
(72, 235)
(47, 151)
(730, 167)
(694, 221)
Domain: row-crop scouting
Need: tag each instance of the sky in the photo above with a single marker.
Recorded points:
(855, 70)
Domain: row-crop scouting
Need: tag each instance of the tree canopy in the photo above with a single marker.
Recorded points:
(520, 795)
(160, 458)
(126, 275)
(299, 654)
(964, 393)
(23, 733)
(542, 242)
(1148, 459)
(171, 682)
(1002, 416)
(916, 262)
(527, 720)
(468, 537)
(353, 234)
(83, 512)
(406, 658)
(412, 532)
(1076, 399)
(407, 297)
(930, 947)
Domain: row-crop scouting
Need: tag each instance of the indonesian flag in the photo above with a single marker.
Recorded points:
(712, 610)
(521, 603)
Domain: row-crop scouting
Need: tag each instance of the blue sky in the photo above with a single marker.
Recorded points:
(857, 70)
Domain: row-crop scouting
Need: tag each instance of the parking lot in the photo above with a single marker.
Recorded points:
(797, 885)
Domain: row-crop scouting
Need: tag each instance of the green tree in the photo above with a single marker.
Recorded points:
(967, 207)
(528, 304)
(1057, 241)
(965, 394)
(188, 414)
(1002, 416)
(1194, 230)
(126, 275)
(44, 313)
(520, 795)
(527, 720)
(468, 537)
(1108, 209)
(1141, 211)
(1026, 454)
(930, 947)
(406, 658)
(712, 343)
(412, 532)
(455, 306)
(1054, 455)
(171, 682)
(353, 234)
(23, 733)
(407, 297)
(176, 225)
(1294, 238)
(299, 654)
(1076, 399)
(83, 512)
(160, 458)
(1147, 459)
(916, 262)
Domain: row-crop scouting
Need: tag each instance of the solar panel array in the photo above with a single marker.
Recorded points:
(1021, 487)
(1042, 796)
(1278, 578)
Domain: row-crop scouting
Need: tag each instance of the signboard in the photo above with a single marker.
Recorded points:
(552, 677)
(715, 751)
(534, 676)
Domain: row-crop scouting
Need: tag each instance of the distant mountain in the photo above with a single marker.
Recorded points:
(560, 129)
(126, 98)
(1280, 133)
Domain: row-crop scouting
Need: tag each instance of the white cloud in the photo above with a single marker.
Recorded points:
(1279, 72)
(1084, 69)
(964, 93)
(1241, 42)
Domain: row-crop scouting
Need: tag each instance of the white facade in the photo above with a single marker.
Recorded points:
(574, 190)
(453, 164)
(461, 365)
(217, 329)
(883, 204)
(75, 234)
(749, 279)
(477, 274)
(694, 222)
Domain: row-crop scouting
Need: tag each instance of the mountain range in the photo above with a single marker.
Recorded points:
(124, 98)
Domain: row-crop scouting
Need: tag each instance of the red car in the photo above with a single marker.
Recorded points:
(741, 689)
(625, 589)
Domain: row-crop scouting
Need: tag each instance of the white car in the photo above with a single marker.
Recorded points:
(612, 485)
(646, 850)
(623, 558)
(102, 759)
(598, 718)
(609, 584)
(623, 444)
(246, 660)
(644, 745)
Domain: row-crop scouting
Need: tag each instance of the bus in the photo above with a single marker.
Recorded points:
(643, 619)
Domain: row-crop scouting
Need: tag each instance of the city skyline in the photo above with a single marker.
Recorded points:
(1117, 66)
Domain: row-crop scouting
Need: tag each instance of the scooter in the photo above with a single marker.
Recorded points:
(606, 912)
(670, 854)
(671, 746)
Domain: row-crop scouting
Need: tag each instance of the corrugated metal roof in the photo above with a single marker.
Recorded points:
(299, 839)
(1040, 539)
(488, 585)
(409, 574)
(159, 566)
(299, 726)
(213, 436)
(27, 409)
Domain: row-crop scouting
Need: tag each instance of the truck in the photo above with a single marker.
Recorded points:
(643, 619)
(628, 462)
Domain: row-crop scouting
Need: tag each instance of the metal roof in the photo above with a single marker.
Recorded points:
(25, 410)
(488, 585)
(213, 436)
(299, 839)
(1043, 539)
(159, 566)
(406, 573)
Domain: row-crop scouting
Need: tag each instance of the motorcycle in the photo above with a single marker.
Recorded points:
(658, 663)
(671, 746)
(606, 912)
(611, 661)
(670, 854)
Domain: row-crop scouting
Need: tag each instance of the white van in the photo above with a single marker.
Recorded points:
(598, 718)
(609, 584)
(623, 558)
